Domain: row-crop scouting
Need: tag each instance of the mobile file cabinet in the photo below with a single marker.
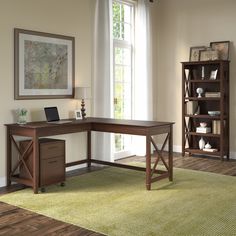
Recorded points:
(51, 162)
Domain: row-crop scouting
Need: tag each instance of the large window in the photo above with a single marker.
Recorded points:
(123, 38)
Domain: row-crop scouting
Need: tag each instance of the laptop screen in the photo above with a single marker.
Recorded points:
(51, 113)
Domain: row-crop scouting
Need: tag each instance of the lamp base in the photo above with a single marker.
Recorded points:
(83, 109)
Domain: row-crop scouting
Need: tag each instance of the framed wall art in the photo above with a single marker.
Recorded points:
(223, 49)
(44, 65)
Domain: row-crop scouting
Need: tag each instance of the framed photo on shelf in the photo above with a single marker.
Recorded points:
(223, 49)
(209, 55)
(195, 53)
(213, 74)
(78, 115)
(44, 65)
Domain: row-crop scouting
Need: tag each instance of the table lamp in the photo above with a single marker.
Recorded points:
(82, 93)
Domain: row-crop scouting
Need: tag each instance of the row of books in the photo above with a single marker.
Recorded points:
(212, 94)
(216, 126)
(192, 107)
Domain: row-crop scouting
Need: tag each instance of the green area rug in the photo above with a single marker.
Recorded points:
(114, 201)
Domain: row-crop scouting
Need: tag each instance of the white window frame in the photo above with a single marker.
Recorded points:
(130, 45)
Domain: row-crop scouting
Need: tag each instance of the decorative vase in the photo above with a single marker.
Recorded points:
(199, 92)
(186, 71)
(21, 116)
(201, 143)
(208, 146)
(21, 120)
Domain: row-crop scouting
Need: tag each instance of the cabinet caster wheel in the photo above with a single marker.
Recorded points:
(62, 184)
(43, 190)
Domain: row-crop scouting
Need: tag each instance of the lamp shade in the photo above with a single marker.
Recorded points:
(82, 93)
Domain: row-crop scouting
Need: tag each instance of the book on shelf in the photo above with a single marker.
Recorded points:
(212, 94)
(191, 107)
(210, 149)
(203, 130)
(216, 126)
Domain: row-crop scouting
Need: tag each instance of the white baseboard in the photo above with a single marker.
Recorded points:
(2, 181)
(177, 148)
(75, 167)
(232, 155)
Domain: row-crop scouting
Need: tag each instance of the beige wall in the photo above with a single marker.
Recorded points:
(177, 25)
(182, 24)
(67, 17)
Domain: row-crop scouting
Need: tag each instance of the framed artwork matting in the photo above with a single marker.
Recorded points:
(43, 65)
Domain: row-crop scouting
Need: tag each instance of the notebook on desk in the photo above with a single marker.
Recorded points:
(52, 116)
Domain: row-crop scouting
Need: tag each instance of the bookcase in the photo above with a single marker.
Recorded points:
(205, 108)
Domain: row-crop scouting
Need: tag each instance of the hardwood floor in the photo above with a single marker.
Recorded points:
(20, 222)
(17, 221)
(201, 163)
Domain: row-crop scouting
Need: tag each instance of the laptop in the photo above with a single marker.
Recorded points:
(52, 116)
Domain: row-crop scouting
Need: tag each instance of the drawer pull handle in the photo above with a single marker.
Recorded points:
(52, 147)
(50, 162)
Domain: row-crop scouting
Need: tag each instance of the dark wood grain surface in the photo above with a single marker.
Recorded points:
(39, 223)
(21, 222)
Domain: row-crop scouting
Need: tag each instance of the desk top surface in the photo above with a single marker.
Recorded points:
(94, 120)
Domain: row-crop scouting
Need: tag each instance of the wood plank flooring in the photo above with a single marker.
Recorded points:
(20, 222)
(201, 163)
(17, 221)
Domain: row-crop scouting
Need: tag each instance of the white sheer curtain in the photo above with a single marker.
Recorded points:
(102, 74)
(102, 71)
(143, 98)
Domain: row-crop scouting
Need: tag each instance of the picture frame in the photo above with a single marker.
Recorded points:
(194, 53)
(213, 74)
(43, 65)
(209, 55)
(222, 47)
(78, 115)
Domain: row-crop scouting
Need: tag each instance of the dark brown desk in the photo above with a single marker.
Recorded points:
(35, 130)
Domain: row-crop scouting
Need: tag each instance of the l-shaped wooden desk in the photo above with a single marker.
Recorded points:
(36, 130)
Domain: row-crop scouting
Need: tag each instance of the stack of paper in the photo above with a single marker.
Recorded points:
(203, 130)
(210, 149)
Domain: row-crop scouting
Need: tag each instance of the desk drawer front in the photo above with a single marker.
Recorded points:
(52, 170)
(49, 150)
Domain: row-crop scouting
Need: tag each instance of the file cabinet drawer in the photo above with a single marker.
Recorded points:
(52, 170)
(52, 149)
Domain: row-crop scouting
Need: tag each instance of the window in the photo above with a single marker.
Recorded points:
(123, 38)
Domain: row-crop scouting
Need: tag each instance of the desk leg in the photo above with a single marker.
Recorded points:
(9, 157)
(35, 163)
(88, 149)
(148, 162)
(171, 153)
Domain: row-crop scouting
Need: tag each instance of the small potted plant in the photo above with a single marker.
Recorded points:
(21, 116)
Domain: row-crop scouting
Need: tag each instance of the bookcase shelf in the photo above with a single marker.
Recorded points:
(205, 117)
(198, 151)
(203, 81)
(195, 109)
(202, 99)
(204, 135)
